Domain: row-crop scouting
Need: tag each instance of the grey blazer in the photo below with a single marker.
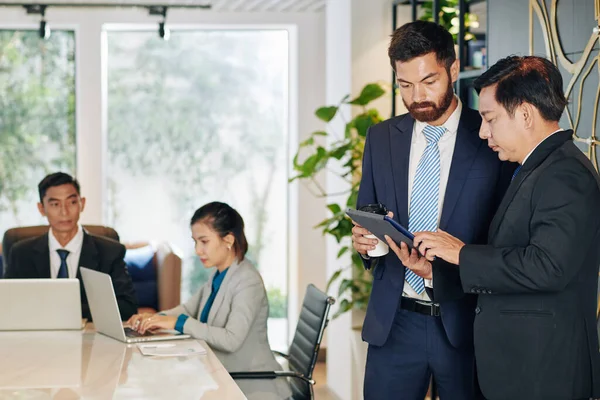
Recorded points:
(236, 328)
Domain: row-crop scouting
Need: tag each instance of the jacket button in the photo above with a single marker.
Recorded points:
(489, 291)
(477, 310)
(478, 290)
(473, 291)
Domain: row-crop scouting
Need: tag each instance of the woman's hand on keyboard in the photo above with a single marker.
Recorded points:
(136, 319)
(156, 321)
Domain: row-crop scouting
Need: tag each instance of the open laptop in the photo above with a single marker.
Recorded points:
(105, 311)
(40, 304)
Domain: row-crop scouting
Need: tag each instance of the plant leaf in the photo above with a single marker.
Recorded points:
(308, 142)
(352, 199)
(340, 152)
(333, 278)
(342, 251)
(345, 285)
(344, 306)
(334, 208)
(326, 113)
(362, 123)
(369, 93)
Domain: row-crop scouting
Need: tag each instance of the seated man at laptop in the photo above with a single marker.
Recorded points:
(67, 246)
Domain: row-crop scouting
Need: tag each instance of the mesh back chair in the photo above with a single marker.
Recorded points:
(304, 349)
(15, 235)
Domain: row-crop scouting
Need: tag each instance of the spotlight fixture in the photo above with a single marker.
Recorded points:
(163, 31)
(44, 29)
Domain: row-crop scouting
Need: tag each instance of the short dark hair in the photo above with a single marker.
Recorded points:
(223, 219)
(526, 79)
(419, 38)
(56, 179)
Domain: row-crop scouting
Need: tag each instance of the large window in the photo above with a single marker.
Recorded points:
(199, 118)
(37, 118)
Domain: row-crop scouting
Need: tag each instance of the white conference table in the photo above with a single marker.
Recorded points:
(65, 365)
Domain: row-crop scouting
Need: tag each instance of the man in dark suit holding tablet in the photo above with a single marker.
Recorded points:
(430, 169)
(536, 277)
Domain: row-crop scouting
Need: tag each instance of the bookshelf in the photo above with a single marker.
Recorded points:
(472, 54)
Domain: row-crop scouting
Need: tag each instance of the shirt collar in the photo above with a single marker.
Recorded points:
(218, 279)
(537, 145)
(451, 123)
(73, 246)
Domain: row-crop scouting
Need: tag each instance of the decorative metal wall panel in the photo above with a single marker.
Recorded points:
(575, 73)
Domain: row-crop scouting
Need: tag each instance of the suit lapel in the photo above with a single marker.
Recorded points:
(465, 150)
(506, 200)
(41, 256)
(538, 156)
(89, 254)
(400, 142)
(221, 293)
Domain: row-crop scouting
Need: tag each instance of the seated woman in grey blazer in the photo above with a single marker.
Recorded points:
(229, 311)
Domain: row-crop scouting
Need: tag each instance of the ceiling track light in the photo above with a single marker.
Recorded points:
(163, 31)
(184, 4)
(44, 29)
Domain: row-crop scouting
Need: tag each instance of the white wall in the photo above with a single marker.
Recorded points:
(358, 35)
(307, 92)
(339, 84)
(371, 33)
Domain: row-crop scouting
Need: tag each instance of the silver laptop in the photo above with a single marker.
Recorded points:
(106, 315)
(40, 304)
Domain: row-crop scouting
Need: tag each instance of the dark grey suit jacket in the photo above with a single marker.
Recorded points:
(30, 258)
(535, 335)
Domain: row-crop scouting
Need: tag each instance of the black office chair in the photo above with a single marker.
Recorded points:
(15, 235)
(304, 348)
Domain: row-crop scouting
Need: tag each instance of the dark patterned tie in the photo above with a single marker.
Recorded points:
(63, 271)
(516, 172)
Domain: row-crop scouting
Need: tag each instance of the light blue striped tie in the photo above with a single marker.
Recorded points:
(423, 212)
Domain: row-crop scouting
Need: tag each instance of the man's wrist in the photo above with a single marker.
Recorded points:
(462, 246)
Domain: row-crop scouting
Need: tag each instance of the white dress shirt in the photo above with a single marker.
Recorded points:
(74, 248)
(417, 147)
(537, 145)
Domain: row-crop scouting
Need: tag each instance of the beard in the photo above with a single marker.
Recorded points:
(428, 111)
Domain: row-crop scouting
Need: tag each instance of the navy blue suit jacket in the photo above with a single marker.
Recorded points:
(476, 184)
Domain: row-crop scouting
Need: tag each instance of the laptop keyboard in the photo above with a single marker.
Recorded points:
(133, 333)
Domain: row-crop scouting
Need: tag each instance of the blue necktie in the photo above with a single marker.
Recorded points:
(63, 271)
(516, 172)
(423, 212)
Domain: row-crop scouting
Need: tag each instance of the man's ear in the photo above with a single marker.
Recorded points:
(41, 209)
(454, 70)
(82, 204)
(526, 114)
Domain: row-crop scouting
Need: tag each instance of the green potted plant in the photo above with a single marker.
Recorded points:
(449, 18)
(346, 149)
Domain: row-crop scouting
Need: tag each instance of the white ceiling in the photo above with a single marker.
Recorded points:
(217, 5)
